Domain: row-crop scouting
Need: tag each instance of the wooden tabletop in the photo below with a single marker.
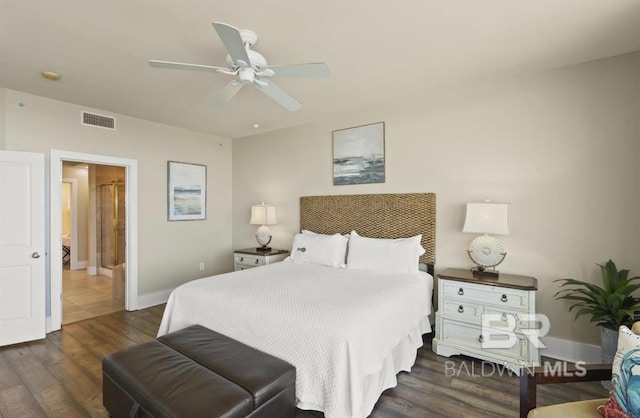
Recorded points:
(256, 251)
(503, 280)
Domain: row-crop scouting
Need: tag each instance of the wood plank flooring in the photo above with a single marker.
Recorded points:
(61, 376)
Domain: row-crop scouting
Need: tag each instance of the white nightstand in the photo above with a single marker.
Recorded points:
(463, 299)
(252, 257)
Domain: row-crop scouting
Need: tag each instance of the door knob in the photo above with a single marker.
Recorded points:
(35, 254)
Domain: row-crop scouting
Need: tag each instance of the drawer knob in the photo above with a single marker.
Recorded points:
(504, 317)
(256, 261)
(461, 291)
(504, 298)
(481, 338)
(241, 258)
(461, 309)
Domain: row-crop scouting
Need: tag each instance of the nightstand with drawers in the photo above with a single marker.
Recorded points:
(252, 257)
(487, 318)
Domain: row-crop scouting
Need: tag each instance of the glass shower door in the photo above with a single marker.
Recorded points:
(112, 224)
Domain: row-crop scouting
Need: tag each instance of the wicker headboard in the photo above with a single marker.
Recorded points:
(397, 215)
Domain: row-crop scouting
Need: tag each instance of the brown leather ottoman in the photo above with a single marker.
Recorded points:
(196, 372)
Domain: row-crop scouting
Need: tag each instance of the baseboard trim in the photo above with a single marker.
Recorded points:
(152, 299)
(572, 351)
(105, 272)
(92, 270)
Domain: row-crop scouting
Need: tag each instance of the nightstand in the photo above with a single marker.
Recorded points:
(252, 257)
(464, 327)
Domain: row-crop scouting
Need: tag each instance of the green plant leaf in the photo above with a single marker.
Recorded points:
(611, 305)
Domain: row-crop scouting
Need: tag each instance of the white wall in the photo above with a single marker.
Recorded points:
(562, 147)
(169, 252)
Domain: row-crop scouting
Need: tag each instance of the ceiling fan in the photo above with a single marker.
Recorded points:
(250, 67)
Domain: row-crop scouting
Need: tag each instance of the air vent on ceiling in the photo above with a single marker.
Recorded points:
(100, 121)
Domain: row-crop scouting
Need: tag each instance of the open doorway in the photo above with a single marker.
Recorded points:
(92, 284)
(128, 244)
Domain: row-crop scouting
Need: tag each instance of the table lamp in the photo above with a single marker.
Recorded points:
(263, 215)
(486, 251)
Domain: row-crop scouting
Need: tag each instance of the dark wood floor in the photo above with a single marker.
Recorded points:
(60, 376)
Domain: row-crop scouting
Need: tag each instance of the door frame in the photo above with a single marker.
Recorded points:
(131, 220)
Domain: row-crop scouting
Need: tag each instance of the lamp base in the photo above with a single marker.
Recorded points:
(263, 236)
(263, 249)
(481, 272)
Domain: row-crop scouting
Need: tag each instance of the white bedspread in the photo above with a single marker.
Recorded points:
(347, 332)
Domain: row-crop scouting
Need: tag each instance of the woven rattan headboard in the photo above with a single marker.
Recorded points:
(374, 215)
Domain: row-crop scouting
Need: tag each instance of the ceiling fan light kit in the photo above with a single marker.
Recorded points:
(250, 67)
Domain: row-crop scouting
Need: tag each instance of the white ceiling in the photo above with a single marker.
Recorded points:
(378, 51)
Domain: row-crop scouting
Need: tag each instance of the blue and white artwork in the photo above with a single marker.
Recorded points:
(187, 194)
(358, 155)
(186, 200)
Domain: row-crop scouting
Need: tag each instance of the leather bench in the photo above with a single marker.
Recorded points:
(197, 372)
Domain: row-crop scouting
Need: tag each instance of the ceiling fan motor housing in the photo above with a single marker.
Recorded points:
(249, 37)
(256, 60)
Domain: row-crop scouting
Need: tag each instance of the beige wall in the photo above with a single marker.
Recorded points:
(169, 252)
(562, 147)
(80, 173)
(2, 120)
(66, 209)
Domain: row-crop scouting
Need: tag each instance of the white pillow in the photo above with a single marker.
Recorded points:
(327, 250)
(399, 255)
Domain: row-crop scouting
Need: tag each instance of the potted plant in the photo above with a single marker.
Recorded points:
(608, 306)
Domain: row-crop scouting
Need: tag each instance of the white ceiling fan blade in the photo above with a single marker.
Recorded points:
(190, 67)
(232, 40)
(279, 95)
(227, 93)
(315, 69)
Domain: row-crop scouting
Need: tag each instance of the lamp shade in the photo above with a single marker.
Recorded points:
(263, 215)
(487, 218)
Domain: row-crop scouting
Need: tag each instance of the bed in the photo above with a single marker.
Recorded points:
(347, 331)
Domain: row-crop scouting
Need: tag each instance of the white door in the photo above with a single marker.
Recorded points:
(22, 250)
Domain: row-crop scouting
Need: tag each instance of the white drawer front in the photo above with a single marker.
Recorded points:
(462, 310)
(470, 336)
(248, 261)
(488, 295)
(520, 319)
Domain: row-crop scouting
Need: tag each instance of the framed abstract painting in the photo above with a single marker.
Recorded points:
(358, 155)
(187, 191)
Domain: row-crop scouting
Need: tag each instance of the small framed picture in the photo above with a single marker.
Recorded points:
(358, 155)
(187, 191)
